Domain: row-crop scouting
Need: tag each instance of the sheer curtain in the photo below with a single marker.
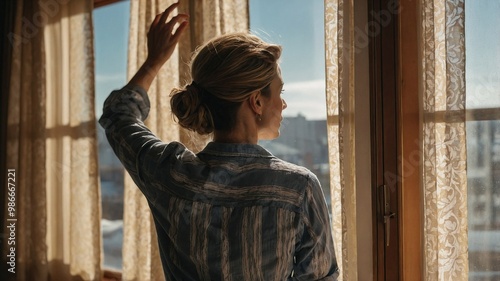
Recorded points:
(442, 48)
(74, 219)
(444, 148)
(51, 142)
(207, 19)
(339, 47)
(141, 259)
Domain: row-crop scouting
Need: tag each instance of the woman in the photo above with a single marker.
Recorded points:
(232, 211)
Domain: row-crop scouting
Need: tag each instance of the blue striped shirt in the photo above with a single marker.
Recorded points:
(230, 212)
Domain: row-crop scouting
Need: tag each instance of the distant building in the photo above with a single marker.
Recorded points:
(308, 136)
(283, 151)
(112, 179)
(483, 174)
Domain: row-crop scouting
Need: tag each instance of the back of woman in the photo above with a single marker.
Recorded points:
(233, 211)
(236, 211)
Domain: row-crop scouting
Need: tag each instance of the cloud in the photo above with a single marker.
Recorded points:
(306, 98)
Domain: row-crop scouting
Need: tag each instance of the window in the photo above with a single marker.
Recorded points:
(483, 138)
(110, 74)
(303, 138)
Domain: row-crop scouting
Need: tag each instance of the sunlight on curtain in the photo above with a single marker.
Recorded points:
(52, 143)
(340, 126)
(207, 19)
(73, 194)
(444, 147)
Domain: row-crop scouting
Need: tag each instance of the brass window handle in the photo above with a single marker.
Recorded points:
(388, 215)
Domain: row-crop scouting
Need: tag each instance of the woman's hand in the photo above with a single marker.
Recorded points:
(162, 40)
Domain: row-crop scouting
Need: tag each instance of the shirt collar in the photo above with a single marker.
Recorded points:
(236, 150)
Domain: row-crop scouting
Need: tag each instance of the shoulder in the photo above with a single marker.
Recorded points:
(178, 151)
(300, 173)
(164, 153)
(302, 180)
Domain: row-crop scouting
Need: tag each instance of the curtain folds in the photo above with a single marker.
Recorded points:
(52, 139)
(443, 137)
(340, 126)
(26, 147)
(74, 219)
(208, 18)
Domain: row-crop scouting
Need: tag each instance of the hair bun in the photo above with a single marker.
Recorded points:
(191, 111)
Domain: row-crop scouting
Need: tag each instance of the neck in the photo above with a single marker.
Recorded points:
(244, 131)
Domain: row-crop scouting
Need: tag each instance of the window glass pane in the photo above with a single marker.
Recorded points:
(299, 29)
(111, 40)
(483, 138)
(482, 37)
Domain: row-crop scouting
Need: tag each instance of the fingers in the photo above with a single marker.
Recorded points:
(162, 18)
(179, 31)
(168, 11)
(180, 19)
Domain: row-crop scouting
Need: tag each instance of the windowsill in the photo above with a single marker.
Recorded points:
(111, 275)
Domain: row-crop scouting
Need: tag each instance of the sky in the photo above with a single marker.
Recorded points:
(482, 41)
(297, 25)
(290, 23)
(299, 29)
(111, 24)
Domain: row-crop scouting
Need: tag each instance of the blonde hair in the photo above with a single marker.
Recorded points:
(225, 71)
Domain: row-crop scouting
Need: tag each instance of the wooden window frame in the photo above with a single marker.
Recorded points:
(407, 120)
(411, 224)
(101, 3)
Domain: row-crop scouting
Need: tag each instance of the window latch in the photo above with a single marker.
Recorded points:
(388, 215)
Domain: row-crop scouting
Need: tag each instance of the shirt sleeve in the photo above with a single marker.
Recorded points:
(139, 150)
(315, 255)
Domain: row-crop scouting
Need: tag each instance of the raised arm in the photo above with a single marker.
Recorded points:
(162, 39)
(124, 111)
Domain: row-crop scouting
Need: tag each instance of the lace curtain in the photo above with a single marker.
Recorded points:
(340, 126)
(208, 18)
(444, 148)
(443, 137)
(51, 142)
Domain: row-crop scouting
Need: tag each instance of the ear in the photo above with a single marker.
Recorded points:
(256, 102)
